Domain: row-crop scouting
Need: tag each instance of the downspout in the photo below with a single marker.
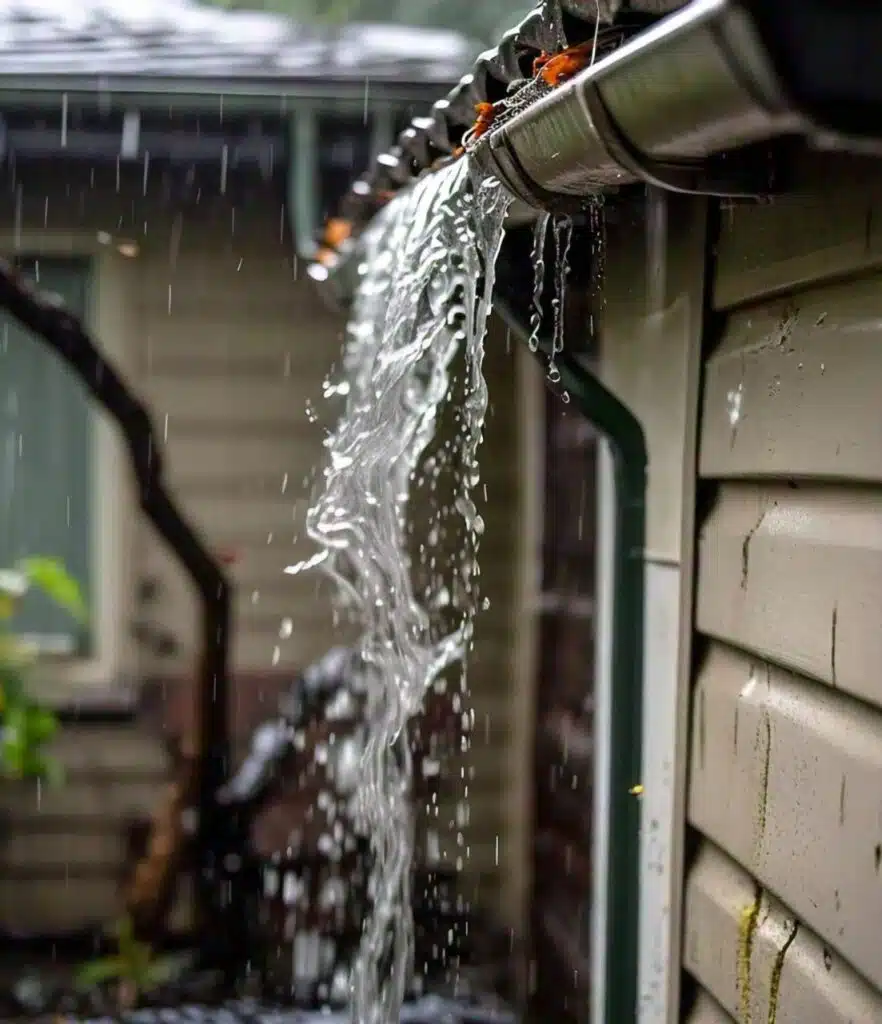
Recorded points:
(629, 455)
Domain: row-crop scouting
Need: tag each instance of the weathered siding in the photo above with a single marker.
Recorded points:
(229, 345)
(235, 348)
(61, 849)
(783, 910)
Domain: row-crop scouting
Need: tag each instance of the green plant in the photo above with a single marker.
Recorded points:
(25, 725)
(135, 967)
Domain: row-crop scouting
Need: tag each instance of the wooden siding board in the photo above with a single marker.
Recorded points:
(795, 575)
(784, 779)
(810, 234)
(34, 855)
(56, 906)
(786, 735)
(26, 806)
(277, 404)
(779, 970)
(792, 390)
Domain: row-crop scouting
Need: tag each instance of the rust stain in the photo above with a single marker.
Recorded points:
(763, 738)
(486, 114)
(777, 970)
(746, 934)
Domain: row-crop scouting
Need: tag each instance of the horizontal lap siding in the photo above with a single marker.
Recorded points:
(236, 347)
(783, 904)
(62, 848)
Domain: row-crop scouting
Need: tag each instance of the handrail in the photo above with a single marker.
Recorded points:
(65, 335)
(630, 460)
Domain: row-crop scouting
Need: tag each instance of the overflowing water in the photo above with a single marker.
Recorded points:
(540, 233)
(424, 297)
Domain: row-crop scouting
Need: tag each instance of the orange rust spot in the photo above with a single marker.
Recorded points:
(484, 121)
(562, 66)
(540, 62)
(337, 230)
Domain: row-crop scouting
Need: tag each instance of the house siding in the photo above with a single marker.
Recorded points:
(783, 903)
(231, 346)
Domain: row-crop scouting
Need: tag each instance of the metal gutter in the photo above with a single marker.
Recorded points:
(676, 105)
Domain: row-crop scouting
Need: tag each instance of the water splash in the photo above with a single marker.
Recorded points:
(425, 295)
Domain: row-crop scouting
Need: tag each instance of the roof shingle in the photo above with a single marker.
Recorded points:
(171, 38)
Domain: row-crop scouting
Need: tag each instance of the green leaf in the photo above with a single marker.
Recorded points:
(40, 724)
(50, 576)
(97, 972)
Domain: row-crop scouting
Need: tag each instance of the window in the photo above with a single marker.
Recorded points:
(45, 460)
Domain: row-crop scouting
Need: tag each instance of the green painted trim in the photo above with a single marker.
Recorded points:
(303, 182)
(73, 277)
(630, 459)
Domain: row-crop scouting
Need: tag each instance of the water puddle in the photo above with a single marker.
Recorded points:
(424, 298)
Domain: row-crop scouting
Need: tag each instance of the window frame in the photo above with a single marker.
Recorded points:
(103, 676)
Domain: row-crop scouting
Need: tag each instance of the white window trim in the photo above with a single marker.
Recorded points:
(103, 678)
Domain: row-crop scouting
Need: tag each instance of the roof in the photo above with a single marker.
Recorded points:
(174, 38)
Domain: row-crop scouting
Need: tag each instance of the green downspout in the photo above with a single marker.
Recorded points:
(626, 439)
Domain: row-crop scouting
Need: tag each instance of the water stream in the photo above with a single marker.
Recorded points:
(424, 297)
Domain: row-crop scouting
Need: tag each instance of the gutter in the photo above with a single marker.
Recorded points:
(678, 106)
(688, 104)
(335, 274)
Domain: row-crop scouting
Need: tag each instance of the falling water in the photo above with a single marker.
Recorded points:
(563, 234)
(540, 233)
(424, 296)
